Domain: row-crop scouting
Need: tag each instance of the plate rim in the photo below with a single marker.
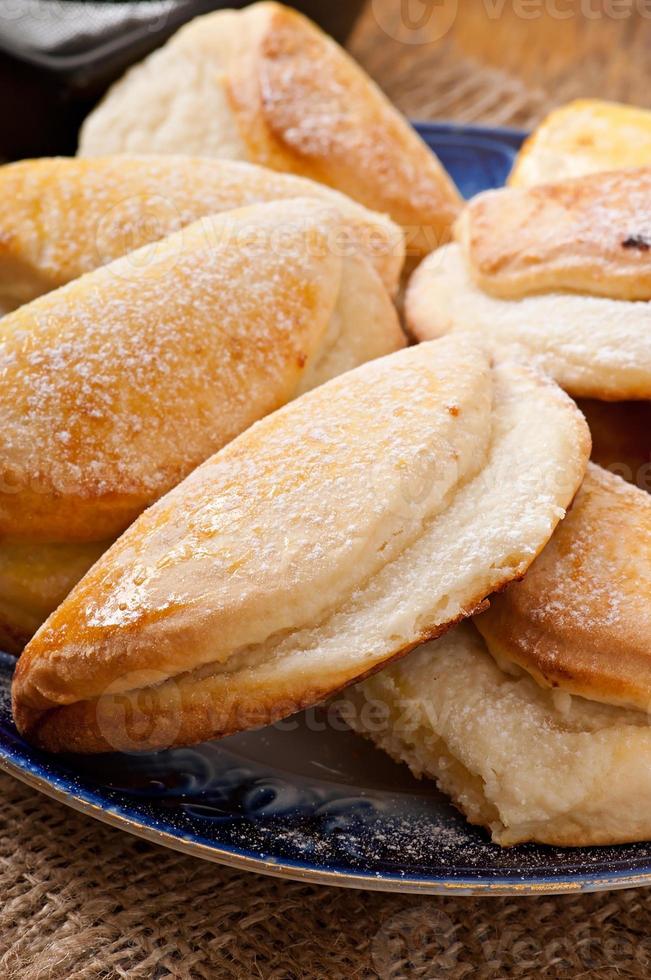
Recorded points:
(303, 871)
(309, 873)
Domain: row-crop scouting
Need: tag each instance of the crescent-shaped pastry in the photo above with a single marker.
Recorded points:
(581, 619)
(323, 542)
(115, 386)
(528, 763)
(266, 85)
(62, 217)
(584, 137)
(560, 272)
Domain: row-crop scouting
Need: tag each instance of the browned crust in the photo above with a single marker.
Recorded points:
(136, 425)
(34, 580)
(99, 725)
(581, 618)
(304, 106)
(184, 706)
(586, 235)
(584, 136)
(170, 718)
(80, 514)
(62, 217)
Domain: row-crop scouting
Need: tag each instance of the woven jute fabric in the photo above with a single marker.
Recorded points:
(505, 62)
(82, 900)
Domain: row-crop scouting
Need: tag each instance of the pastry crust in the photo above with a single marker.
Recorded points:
(61, 217)
(116, 385)
(265, 84)
(323, 542)
(591, 235)
(592, 346)
(581, 619)
(527, 763)
(34, 580)
(584, 137)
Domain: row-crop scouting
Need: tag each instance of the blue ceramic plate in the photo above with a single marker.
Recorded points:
(302, 800)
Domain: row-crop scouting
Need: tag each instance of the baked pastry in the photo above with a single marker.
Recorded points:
(588, 235)
(264, 84)
(323, 542)
(540, 731)
(581, 619)
(584, 137)
(63, 217)
(529, 763)
(560, 272)
(118, 384)
(621, 438)
(34, 578)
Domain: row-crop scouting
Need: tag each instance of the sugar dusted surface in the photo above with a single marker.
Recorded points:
(591, 235)
(581, 620)
(307, 505)
(261, 588)
(265, 85)
(338, 118)
(129, 369)
(594, 347)
(63, 217)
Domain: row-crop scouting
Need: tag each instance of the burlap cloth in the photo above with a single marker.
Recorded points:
(80, 900)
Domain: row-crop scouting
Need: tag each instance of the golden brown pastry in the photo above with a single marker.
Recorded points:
(266, 85)
(621, 438)
(540, 730)
(116, 385)
(589, 136)
(529, 763)
(34, 579)
(323, 542)
(581, 619)
(62, 217)
(584, 137)
(590, 236)
(556, 272)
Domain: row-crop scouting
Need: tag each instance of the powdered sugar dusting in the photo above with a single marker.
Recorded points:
(589, 235)
(61, 218)
(582, 616)
(116, 384)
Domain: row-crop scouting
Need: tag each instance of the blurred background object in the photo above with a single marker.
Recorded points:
(505, 62)
(501, 62)
(57, 57)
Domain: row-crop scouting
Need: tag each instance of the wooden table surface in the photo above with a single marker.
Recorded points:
(505, 62)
